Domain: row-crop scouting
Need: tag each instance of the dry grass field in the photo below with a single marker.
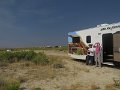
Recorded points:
(63, 73)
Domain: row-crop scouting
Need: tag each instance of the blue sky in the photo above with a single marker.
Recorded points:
(26, 23)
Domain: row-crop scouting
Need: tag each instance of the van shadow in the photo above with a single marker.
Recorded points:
(79, 60)
(111, 66)
(103, 65)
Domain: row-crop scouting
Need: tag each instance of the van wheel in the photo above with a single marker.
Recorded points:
(116, 64)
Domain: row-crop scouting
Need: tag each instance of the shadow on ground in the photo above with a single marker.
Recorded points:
(103, 65)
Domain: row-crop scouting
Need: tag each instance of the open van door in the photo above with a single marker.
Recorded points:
(107, 41)
(116, 48)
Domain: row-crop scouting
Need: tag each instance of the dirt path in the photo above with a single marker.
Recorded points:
(77, 76)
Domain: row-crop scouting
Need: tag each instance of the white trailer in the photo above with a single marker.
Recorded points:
(108, 35)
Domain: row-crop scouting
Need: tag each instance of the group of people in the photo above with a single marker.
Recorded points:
(94, 55)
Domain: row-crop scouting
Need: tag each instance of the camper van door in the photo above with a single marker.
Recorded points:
(116, 46)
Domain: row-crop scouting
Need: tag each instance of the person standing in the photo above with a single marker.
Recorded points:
(97, 54)
(90, 55)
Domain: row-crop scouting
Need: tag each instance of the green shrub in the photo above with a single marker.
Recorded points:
(10, 84)
(12, 56)
(41, 58)
(23, 88)
(30, 55)
(6, 56)
(26, 55)
(2, 82)
(19, 55)
(62, 48)
(58, 65)
(3, 64)
(22, 79)
(116, 82)
(37, 58)
(37, 89)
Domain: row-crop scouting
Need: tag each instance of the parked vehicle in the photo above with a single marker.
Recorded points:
(108, 35)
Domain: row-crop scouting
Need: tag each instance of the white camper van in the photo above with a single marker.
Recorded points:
(108, 35)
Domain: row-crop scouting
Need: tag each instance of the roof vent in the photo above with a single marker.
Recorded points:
(101, 25)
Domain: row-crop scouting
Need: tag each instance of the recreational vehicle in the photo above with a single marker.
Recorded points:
(108, 35)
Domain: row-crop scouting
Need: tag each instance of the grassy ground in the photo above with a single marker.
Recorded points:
(62, 73)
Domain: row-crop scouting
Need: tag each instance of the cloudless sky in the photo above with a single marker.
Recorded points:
(26, 23)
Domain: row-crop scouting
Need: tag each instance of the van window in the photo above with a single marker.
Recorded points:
(88, 39)
(76, 39)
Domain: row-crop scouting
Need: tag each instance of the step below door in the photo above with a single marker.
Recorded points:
(116, 46)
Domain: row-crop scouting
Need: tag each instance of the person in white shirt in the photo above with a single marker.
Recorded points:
(90, 55)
